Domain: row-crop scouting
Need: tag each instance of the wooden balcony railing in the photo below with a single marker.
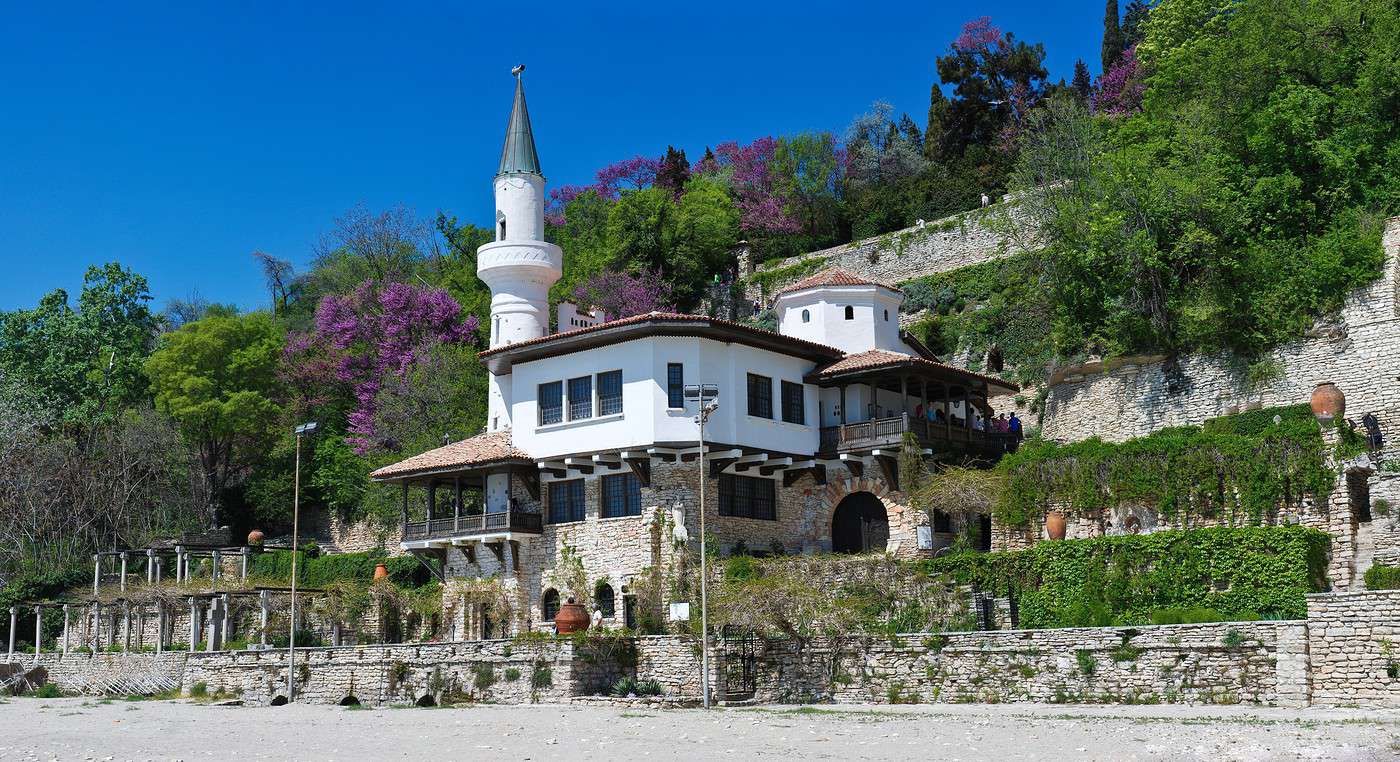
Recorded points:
(888, 433)
(481, 523)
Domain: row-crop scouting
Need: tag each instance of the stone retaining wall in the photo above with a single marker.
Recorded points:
(1223, 663)
(1354, 648)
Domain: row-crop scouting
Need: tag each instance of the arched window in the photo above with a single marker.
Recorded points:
(550, 604)
(850, 312)
(806, 316)
(501, 232)
(603, 596)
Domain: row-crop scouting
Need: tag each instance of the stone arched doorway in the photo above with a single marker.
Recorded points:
(859, 524)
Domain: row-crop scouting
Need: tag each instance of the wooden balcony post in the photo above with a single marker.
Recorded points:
(843, 404)
(947, 411)
(904, 397)
(432, 501)
(457, 504)
(404, 510)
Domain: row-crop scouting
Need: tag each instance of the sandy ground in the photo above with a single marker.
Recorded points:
(107, 730)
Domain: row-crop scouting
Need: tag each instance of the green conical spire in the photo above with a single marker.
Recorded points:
(518, 156)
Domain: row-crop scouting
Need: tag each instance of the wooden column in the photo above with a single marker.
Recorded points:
(404, 510)
(457, 503)
(947, 411)
(904, 396)
(432, 500)
(843, 404)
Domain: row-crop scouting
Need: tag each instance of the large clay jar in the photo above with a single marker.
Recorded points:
(572, 617)
(255, 538)
(1328, 403)
(380, 572)
(1055, 525)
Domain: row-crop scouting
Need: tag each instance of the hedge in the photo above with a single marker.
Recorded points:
(1382, 577)
(1241, 572)
(404, 571)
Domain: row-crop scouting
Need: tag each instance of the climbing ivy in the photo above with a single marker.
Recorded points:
(1241, 572)
(1181, 472)
(767, 280)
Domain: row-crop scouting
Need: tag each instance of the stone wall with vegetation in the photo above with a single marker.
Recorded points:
(1219, 663)
(1358, 349)
(939, 246)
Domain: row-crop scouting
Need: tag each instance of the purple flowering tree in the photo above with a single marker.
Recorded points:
(635, 173)
(1121, 87)
(749, 173)
(559, 199)
(367, 337)
(621, 294)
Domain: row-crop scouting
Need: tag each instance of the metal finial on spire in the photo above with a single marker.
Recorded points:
(518, 156)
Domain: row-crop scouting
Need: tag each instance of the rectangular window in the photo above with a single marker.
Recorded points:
(551, 403)
(747, 497)
(566, 501)
(794, 409)
(580, 398)
(760, 396)
(675, 385)
(610, 392)
(622, 495)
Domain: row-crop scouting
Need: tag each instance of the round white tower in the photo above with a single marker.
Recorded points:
(519, 266)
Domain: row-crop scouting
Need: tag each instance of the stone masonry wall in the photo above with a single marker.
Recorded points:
(1354, 648)
(934, 247)
(1223, 663)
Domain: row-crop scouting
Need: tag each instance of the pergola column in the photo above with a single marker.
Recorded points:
(96, 572)
(66, 625)
(227, 620)
(38, 631)
(243, 564)
(123, 581)
(14, 623)
(216, 560)
(263, 605)
(150, 566)
(194, 624)
(126, 626)
(160, 627)
(179, 564)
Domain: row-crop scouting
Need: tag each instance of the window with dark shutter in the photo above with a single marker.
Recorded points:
(794, 410)
(747, 497)
(551, 403)
(622, 496)
(580, 398)
(760, 396)
(566, 501)
(675, 385)
(610, 392)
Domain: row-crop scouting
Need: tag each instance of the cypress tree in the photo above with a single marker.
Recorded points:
(937, 123)
(674, 171)
(1112, 35)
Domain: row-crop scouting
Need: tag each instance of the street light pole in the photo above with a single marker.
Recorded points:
(304, 429)
(707, 397)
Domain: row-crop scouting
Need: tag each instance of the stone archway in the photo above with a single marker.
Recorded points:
(860, 524)
(903, 521)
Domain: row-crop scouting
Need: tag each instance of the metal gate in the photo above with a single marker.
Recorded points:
(740, 649)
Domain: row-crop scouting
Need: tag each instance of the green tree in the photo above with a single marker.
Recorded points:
(706, 225)
(1083, 83)
(216, 378)
(84, 365)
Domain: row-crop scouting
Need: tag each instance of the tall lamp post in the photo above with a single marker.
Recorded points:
(706, 398)
(305, 429)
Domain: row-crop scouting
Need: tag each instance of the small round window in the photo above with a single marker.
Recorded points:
(806, 316)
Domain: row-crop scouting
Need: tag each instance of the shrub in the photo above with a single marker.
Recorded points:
(322, 571)
(1382, 577)
(512, 674)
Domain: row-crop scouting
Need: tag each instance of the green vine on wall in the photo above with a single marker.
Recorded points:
(1185, 472)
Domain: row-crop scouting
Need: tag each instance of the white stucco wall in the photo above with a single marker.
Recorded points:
(874, 323)
(645, 419)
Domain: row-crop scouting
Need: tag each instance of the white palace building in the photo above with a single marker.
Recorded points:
(590, 443)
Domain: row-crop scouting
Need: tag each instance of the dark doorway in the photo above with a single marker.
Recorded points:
(860, 524)
(984, 532)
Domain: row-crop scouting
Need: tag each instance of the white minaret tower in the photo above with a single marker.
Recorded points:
(519, 266)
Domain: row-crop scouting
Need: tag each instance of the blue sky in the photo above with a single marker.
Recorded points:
(178, 138)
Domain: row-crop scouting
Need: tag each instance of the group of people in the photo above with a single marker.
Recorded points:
(1002, 424)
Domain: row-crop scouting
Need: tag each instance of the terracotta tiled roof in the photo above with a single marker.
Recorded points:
(663, 317)
(481, 449)
(874, 359)
(833, 276)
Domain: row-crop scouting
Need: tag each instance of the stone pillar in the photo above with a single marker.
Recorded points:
(66, 625)
(14, 624)
(194, 624)
(160, 627)
(179, 564)
(126, 626)
(217, 559)
(243, 564)
(264, 604)
(150, 566)
(123, 580)
(214, 635)
(38, 631)
(96, 572)
(160, 562)
(227, 618)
